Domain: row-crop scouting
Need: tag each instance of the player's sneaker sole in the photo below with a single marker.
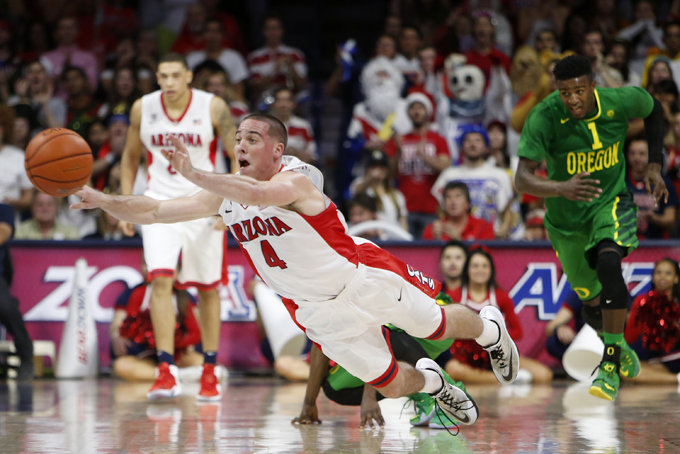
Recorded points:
(606, 385)
(503, 354)
(165, 393)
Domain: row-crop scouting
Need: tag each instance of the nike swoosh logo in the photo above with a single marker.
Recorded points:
(564, 120)
(608, 387)
(400, 290)
(624, 372)
(463, 418)
(608, 301)
(508, 377)
(228, 211)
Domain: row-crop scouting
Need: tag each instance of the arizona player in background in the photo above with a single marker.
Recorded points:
(192, 116)
(591, 219)
(340, 289)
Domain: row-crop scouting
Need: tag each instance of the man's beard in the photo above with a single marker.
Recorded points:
(382, 100)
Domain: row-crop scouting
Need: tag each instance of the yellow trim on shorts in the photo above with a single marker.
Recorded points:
(616, 220)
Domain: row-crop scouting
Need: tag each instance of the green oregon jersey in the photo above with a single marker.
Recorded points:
(593, 145)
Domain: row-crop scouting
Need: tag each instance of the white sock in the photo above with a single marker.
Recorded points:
(490, 334)
(433, 382)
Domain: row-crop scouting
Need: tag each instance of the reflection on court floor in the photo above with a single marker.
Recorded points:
(110, 416)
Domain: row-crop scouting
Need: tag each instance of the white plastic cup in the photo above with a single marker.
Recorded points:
(584, 354)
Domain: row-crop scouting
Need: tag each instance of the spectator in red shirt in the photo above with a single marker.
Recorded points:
(276, 64)
(469, 361)
(457, 223)
(191, 37)
(417, 158)
(485, 55)
(301, 142)
(133, 345)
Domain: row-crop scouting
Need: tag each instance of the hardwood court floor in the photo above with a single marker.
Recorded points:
(109, 416)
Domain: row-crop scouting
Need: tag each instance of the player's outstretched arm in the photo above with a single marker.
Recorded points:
(145, 210)
(318, 371)
(577, 187)
(283, 189)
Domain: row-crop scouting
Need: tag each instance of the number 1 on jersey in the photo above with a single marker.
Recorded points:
(596, 138)
(270, 256)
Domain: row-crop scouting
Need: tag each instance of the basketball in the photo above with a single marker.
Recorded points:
(58, 161)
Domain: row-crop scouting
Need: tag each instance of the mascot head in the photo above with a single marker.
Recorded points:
(463, 82)
(382, 83)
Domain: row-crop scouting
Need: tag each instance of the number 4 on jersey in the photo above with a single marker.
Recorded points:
(270, 256)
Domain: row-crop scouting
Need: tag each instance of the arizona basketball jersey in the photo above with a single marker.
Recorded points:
(303, 258)
(193, 128)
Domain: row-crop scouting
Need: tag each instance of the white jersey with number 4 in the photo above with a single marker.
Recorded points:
(193, 128)
(303, 258)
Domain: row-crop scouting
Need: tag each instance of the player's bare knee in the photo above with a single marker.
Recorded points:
(161, 284)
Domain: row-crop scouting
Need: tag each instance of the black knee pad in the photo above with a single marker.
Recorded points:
(614, 293)
(592, 315)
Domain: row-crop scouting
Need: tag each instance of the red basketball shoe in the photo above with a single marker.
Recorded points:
(211, 391)
(167, 382)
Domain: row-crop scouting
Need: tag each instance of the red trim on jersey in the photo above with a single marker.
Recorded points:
(387, 377)
(160, 272)
(439, 332)
(225, 263)
(213, 150)
(327, 224)
(191, 95)
(372, 255)
(198, 285)
(149, 161)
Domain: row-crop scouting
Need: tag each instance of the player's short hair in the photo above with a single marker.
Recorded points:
(172, 57)
(277, 130)
(453, 243)
(572, 67)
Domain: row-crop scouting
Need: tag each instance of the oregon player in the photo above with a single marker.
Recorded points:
(591, 218)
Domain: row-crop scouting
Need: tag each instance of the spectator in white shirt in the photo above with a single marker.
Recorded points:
(15, 187)
(229, 59)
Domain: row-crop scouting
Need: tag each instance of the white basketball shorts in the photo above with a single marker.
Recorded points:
(202, 249)
(349, 328)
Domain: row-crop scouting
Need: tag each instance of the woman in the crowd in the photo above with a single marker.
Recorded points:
(378, 184)
(658, 71)
(469, 361)
(653, 328)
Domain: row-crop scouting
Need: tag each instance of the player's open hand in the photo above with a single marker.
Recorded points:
(580, 188)
(308, 415)
(90, 199)
(371, 414)
(179, 158)
(654, 183)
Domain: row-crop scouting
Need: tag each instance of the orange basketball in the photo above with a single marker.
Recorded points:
(58, 161)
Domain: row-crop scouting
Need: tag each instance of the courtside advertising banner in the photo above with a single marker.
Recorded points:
(44, 279)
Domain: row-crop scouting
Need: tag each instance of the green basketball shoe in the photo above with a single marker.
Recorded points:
(630, 364)
(606, 385)
(424, 408)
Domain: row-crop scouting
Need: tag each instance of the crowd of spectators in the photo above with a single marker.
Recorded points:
(433, 107)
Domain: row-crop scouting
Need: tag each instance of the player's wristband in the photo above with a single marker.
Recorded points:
(654, 130)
